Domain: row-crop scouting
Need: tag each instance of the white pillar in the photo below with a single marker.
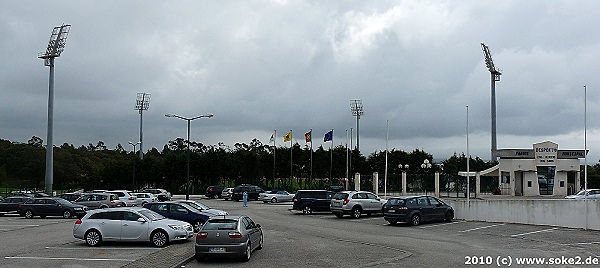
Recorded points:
(477, 184)
(357, 181)
(437, 184)
(403, 182)
(376, 183)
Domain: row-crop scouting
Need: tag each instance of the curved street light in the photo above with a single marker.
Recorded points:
(187, 184)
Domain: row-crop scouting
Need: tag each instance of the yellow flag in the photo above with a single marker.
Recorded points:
(287, 137)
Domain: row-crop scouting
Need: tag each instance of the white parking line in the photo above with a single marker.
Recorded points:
(580, 243)
(68, 259)
(101, 248)
(441, 224)
(535, 232)
(24, 225)
(484, 227)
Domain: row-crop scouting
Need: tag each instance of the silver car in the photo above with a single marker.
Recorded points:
(226, 193)
(355, 203)
(275, 196)
(585, 194)
(130, 224)
(228, 236)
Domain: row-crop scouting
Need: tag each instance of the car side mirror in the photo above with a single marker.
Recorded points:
(141, 220)
(257, 225)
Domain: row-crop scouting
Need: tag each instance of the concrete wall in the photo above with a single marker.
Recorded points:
(553, 212)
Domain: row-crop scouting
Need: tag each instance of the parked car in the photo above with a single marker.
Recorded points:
(146, 198)
(11, 204)
(228, 236)
(252, 190)
(180, 211)
(130, 224)
(70, 196)
(214, 191)
(227, 193)
(585, 194)
(275, 196)
(416, 209)
(127, 197)
(51, 206)
(100, 200)
(355, 203)
(308, 201)
(203, 208)
(161, 194)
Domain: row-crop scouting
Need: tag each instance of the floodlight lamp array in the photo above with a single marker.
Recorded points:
(56, 45)
(142, 102)
(356, 107)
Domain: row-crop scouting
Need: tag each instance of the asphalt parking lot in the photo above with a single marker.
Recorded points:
(316, 240)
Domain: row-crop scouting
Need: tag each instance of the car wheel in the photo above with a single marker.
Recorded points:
(261, 242)
(93, 238)
(307, 210)
(248, 252)
(219, 196)
(449, 216)
(415, 220)
(339, 215)
(356, 212)
(392, 222)
(273, 200)
(144, 203)
(197, 226)
(67, 214)
(105, 206)
(159, 238)
(28, 214)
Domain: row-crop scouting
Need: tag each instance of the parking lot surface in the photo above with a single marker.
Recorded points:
(317, 240)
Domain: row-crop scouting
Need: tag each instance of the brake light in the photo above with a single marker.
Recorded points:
(403, 208)
(295, 200)
(78, 221)
(202, 235)
(346, 201)
(210, 190)
(131, 198)
(235, 235)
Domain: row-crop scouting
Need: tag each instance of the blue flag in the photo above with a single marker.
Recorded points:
(328, 136)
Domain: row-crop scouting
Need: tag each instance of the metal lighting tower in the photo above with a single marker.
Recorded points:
(187, 184)
(495, 76)
(357, 110)
(141, 104)
(56, 45)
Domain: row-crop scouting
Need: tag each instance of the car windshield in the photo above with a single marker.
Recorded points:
(340, 196)
(62, 201)
(396, 202)
(221, 224)
(196, 205)
(582, 192)
(153, 216)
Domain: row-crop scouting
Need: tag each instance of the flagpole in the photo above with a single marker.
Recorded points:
(387, 135)
(331, 152)
(346, 182)
(291, 156)
(274, 150)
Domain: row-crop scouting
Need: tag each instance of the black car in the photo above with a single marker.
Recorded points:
(253, 192)
(416, 209)
(51, 206)
(214, 191)
(11, 204)
(308, 201)
(180, 211)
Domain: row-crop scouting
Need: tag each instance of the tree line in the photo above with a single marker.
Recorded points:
(22, 166)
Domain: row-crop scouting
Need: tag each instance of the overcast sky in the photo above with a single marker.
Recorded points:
(261, 66)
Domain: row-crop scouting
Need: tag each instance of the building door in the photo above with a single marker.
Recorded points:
(518, 183)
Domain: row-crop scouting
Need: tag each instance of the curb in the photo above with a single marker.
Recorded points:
(171, 256)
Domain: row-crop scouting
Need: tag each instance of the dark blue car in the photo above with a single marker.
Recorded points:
(180, 211)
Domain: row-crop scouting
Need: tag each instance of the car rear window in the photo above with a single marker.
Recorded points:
(339, 196)
(221, 224)
(397, 202)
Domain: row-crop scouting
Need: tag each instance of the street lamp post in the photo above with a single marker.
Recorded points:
(187, 184)
(425, 167)
(134, 145)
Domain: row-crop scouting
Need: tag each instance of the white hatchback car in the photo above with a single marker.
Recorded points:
(126, 196)
(130, 224)
(583, 194)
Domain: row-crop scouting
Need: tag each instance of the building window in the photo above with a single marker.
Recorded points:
(528, 183)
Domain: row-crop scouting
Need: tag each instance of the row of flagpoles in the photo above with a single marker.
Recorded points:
(308, 137)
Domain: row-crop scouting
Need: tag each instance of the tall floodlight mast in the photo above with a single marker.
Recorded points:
(495, 76)
(141, 104)
(357, 110)
(56, 45)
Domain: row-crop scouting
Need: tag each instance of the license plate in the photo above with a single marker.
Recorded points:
(391, 210)
(217, 249)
